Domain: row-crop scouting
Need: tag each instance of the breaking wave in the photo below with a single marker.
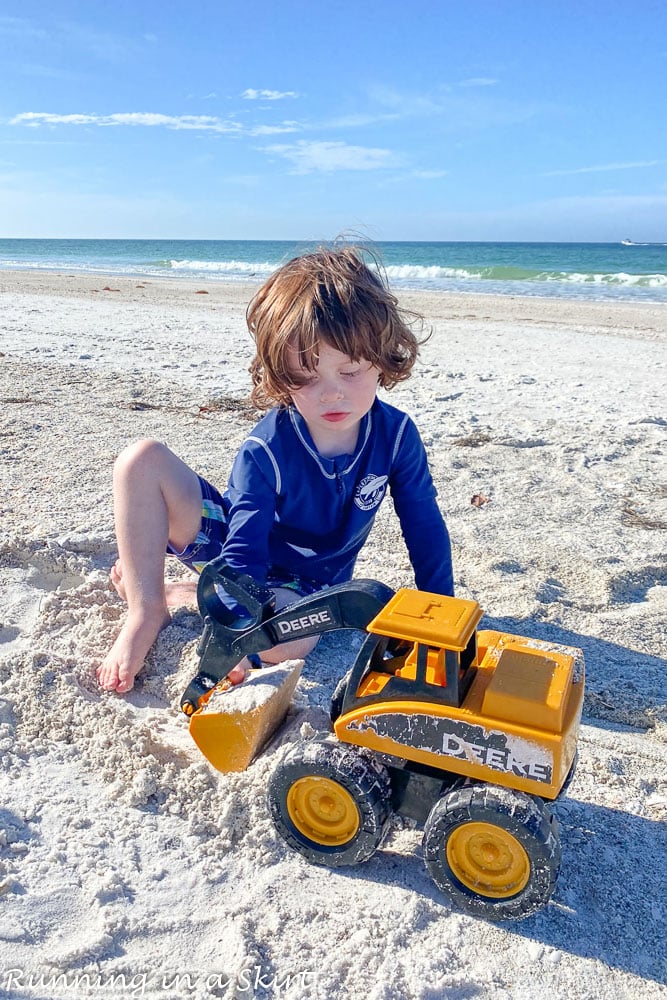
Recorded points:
(230, 268)
(405, 273)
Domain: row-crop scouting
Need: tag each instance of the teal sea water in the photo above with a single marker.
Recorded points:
(616, 271)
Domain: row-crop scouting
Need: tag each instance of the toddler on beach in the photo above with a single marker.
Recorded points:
(306, 483)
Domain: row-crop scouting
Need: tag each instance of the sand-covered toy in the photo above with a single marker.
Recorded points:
(234, 723)
(471, 732)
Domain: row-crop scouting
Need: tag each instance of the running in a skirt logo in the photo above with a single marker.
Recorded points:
(370, 491)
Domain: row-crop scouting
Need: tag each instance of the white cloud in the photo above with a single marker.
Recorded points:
(406, 105)
(149, 119)
(267, 95)
(278, 129)
(358, 120)
(473, 107)
(601, 168)
(19, 26)
(133, 118)
(329, 157)
(479, 81)
(429, 175)
(152, 119)
(35, 118)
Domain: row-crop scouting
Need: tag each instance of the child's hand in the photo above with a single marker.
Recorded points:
(239, 673)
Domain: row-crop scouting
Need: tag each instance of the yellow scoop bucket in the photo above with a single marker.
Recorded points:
(233, 724)
(230, 725)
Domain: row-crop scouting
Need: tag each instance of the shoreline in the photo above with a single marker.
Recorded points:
(642, 318)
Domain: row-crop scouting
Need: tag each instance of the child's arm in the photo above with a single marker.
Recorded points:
(252, 493)
(422, 524)
(427, 541)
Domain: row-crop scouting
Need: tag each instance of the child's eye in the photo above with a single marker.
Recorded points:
(351, 374)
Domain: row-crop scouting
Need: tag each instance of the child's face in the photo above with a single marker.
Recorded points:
(336, 396)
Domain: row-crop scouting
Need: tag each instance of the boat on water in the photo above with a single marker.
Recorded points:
(631, 243)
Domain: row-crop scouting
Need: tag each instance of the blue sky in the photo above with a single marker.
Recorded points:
(300, 120)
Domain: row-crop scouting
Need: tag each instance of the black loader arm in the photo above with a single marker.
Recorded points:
(250, 624)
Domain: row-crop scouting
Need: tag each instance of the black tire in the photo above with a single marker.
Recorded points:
(330, 802)
(337, 697)
(493, 851)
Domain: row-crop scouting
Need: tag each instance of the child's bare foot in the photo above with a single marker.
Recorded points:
(126, 657)
(116, 577)
(180, 592)
(177, 592)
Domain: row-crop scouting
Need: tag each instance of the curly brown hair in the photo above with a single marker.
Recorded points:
(329, 295)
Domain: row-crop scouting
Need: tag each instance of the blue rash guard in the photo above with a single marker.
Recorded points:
(292, 512)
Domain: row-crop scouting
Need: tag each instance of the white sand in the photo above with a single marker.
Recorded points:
(123, 855)
(258, 689)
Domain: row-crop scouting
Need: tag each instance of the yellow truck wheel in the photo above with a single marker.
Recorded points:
(493, 851)
(330, 802)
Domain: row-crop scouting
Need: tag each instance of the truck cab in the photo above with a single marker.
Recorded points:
(430, 688)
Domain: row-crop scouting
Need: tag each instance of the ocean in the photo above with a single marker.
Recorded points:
(592, 271)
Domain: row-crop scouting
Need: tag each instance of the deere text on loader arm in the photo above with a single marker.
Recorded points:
(472, 733)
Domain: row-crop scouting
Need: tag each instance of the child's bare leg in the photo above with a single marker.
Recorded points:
(157, 499)
(177, 592)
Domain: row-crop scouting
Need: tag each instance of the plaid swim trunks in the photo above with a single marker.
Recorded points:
(212, 531)
(212, 536)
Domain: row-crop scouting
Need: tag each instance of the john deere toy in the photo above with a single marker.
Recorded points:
(470, 732)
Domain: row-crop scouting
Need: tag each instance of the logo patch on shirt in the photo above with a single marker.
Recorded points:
(370, 492)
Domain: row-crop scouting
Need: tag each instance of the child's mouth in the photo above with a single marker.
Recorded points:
(335, 416)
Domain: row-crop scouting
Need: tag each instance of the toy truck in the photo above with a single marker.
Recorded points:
(472, 733)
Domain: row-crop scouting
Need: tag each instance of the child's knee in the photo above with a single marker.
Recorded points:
(139, 456)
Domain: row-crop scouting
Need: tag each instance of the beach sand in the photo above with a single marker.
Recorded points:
(123, 855)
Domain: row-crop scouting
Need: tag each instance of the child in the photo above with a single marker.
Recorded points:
(307, 482)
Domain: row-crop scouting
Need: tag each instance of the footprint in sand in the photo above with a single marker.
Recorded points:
(22, 589)
(635, 586)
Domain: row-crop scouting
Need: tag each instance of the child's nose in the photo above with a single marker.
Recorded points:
(330, 391)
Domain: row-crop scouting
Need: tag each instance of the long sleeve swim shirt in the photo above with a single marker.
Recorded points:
(293, 512)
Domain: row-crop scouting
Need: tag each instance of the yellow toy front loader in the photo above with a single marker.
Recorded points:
(471, 732)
